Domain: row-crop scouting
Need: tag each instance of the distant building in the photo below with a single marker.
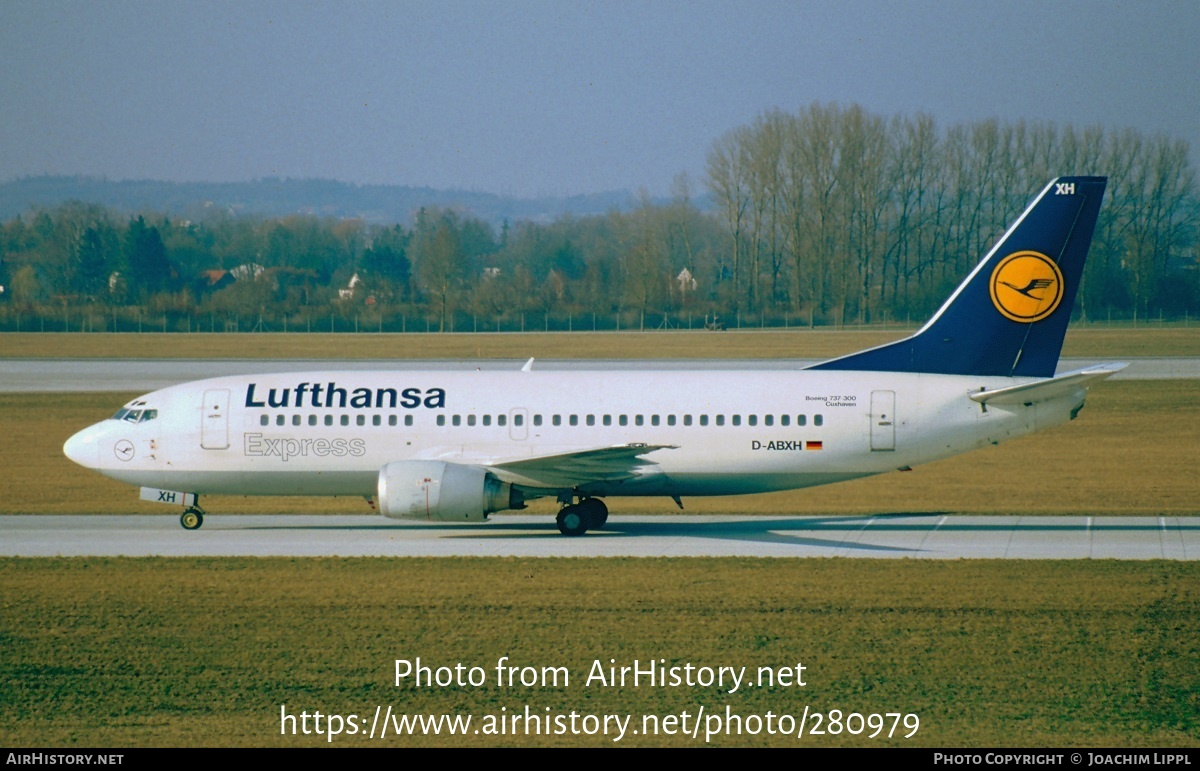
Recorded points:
(348, 292)
(249, 270)
(212, 280)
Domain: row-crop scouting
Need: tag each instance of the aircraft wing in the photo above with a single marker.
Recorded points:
(571, 469)
(1051, 388)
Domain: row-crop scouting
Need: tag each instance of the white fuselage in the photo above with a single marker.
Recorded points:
(726, 432)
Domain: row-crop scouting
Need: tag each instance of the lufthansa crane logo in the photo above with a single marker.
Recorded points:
(1026, 287)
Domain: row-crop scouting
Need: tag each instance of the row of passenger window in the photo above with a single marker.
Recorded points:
(518, 419)
(636, 420)
(343, 420)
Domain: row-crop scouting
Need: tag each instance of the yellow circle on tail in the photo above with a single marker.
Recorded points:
(1026, 287)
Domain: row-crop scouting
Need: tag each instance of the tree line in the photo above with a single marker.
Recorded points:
(829, 215)
(854, 216)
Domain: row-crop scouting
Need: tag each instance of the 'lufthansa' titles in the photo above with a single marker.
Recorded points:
(331, 395)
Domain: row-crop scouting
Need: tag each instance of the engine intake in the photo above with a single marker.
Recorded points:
(443, 492)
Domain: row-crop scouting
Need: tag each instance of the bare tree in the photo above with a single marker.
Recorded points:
(729, 180)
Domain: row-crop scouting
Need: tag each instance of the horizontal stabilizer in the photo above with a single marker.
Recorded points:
(571, 469)
(1042, 390)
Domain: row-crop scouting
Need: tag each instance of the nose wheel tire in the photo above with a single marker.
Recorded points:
(192, 519)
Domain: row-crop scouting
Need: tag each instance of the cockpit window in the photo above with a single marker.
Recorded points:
(135, 416)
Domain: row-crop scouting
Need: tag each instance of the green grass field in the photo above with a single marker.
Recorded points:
(187, 652)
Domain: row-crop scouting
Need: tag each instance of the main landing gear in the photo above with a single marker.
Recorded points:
(578, 518)
(192, 518)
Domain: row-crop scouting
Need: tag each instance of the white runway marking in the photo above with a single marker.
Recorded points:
(929, 536)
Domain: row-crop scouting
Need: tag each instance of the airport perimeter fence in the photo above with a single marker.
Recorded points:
(137, 320)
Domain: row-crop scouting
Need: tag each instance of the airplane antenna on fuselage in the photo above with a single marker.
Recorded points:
(528, 365)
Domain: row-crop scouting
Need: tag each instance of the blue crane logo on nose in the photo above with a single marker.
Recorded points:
(123, 450)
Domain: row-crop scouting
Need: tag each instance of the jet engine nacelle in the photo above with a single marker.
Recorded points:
(445, 492)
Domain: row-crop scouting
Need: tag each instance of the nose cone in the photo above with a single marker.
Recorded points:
(84, 448)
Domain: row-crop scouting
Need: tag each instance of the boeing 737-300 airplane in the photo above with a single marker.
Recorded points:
(457, 446)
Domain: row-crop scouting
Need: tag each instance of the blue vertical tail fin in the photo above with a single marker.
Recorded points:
(1009, 317)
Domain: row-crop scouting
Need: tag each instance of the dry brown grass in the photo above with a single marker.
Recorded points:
(197, 652)
(766, 344)
(1130, 452)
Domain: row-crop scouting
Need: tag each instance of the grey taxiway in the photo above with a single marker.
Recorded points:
(913, 536)
(143, 375)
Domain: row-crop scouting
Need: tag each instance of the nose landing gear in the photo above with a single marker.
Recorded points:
(192, 518)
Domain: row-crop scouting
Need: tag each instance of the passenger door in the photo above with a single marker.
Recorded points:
(214, 420)
(883, 421)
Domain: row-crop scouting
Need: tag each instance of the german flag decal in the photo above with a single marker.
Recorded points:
(812, 445)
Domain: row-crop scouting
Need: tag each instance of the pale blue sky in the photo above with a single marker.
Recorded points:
(531, 98)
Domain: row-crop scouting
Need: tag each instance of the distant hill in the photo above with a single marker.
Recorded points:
(281, 197)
